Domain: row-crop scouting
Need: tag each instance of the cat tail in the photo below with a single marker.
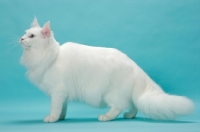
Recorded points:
(159, 105)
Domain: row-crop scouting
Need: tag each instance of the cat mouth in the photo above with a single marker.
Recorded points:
(27, 47)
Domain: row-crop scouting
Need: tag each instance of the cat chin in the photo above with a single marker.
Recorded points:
(26, 47)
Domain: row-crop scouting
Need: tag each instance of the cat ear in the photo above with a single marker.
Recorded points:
(46, 30)
(35, 23)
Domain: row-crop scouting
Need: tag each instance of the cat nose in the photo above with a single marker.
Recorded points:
(22, 39)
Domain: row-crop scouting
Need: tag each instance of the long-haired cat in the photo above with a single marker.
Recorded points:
(101, 77)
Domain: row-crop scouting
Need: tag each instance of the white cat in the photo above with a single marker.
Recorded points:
(101, 77)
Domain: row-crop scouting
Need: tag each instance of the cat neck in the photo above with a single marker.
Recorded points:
(38, 60)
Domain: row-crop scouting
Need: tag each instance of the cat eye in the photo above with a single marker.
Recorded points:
(32, 36)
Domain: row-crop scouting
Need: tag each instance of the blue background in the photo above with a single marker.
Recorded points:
(162, 37)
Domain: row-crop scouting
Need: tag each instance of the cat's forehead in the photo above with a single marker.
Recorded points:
(33, 30)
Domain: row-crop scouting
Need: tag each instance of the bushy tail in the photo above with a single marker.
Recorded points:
(161, 106)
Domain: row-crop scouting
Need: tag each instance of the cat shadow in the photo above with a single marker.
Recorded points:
(148, 120)
(40, 121)
(93, 120)
(137, 119)
(23, 122)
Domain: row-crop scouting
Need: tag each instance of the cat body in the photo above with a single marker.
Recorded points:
(101, 77)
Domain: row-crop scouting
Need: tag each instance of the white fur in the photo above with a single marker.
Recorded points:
(101, 77)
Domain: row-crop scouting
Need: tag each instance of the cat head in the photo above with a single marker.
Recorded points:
(36, 37)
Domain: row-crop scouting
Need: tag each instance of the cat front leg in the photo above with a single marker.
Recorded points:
(58, 108)
(64, 111)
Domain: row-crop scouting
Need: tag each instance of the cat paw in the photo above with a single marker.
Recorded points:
(50, 119)
(129, 115)
(104, 118)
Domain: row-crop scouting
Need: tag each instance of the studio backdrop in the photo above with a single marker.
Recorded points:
(161, 36)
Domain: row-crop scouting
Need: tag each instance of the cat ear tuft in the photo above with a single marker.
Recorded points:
(35, 23)
(46, 30)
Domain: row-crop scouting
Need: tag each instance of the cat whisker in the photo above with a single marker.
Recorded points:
(15, 41)
(20, 50)
(12, 43)
(12, 48)
(13, 36)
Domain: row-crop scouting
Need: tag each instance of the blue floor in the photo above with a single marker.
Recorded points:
(80, 117)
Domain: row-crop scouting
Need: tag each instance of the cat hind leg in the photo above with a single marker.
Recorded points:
(110, 115)
(132, 113)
